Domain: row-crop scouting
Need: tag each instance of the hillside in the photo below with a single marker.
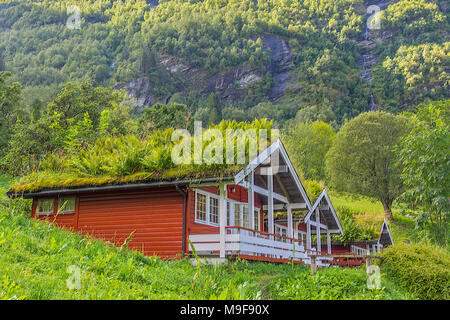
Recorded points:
(307, 60)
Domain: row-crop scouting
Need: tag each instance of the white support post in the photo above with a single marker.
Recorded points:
(251, 200)
(289, 216)
(328, 242)
(319, 245)
(222, 218)
(308, 235)
(270, 203)
(232, 218)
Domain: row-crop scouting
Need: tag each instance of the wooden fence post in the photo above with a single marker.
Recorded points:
(313, 265)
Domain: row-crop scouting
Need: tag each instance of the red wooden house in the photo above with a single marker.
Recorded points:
(215, 216)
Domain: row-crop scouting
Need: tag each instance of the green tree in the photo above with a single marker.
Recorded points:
(10, 95)
(161, 116)
(213, 106)
(308, 143)
(362, 158)
(425, 156)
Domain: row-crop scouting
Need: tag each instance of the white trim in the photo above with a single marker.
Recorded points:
(208, 195)
(294, 206)
(381, 232)
(264, 192)
(316, 204)
(263, 156)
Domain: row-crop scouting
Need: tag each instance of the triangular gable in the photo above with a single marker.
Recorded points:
(265, 156)
(322, 196)
(386, 230)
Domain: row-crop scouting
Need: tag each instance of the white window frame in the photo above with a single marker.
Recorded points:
(208, 196)
(231, 214)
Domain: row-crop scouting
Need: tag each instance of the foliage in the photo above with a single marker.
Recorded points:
(78, 115)
(414, 74)
(313, 188)
(422, 270)
(425, 157)
(332, 283)
(412, 55)
(362, 159)
(308, 143)
(160, 117)
(10, 95)
(354, 230)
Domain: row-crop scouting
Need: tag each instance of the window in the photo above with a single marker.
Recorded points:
(200, 212)
(237, 214)
(207, 211)
(66, 205)
(206, 208)
(256, 219)
(245, 216)
(45, 206)
(214, 210)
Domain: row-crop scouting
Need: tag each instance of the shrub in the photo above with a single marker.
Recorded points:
(421, 269)
(352, 227)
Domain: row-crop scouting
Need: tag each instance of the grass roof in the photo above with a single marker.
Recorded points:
(47, 180)
(131, 159)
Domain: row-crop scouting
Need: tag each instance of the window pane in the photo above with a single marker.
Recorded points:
(213, 210)
(245, 216)
(66, 204)
(256, 219)
(228, 214)
(237, 215)
(45, 206)
(201, 207)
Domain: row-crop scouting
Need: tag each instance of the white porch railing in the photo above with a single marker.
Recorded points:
(244, 241)
(365, 252)
(359, 251)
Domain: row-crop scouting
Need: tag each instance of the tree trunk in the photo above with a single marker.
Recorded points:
(387, 211)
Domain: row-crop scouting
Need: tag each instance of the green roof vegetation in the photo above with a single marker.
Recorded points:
(128, 159)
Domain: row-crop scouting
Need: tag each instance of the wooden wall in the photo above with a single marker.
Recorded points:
(155, 216)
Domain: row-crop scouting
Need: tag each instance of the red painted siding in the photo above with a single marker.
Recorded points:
(155, 216)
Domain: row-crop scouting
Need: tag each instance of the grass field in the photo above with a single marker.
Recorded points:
(402, 229)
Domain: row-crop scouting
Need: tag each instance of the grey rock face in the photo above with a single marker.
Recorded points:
(229, 85)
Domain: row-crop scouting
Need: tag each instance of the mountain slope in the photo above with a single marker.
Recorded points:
(299, 58)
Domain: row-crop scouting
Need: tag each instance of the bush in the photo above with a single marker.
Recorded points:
(421, 269)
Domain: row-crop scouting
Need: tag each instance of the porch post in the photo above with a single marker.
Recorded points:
(222, 218)
(319, 245)
(289, 216)
(308, 235)
(270, 202)
(329, 242)
(251, 200)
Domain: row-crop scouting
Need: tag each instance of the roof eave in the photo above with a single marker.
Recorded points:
(159, 184)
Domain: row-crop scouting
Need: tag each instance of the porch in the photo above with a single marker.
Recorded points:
(237, 230)
(256, 245)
